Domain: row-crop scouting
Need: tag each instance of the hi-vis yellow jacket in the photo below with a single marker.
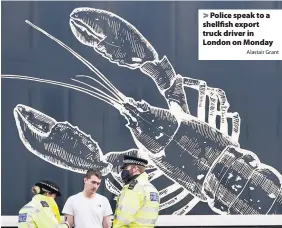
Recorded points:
(39, 213)
(137, 204)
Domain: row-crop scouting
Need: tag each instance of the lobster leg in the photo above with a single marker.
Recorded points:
(171, 86)
(168, 82)
(176, 93)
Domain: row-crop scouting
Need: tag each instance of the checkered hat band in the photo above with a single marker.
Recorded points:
(50, 186)
(129, 161)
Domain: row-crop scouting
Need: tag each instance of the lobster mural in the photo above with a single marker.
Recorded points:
(212, 167)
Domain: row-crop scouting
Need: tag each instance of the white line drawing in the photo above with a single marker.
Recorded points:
(211, 166)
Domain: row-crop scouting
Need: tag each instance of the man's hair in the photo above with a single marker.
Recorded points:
(92, 172)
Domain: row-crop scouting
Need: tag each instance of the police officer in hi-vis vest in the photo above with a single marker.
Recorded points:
(138, 203)
(42, 211)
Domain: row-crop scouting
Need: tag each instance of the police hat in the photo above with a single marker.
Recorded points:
(131, 160)
(48, 186)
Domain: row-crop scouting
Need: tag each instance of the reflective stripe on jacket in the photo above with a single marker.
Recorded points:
(137, 204)
(38, 214)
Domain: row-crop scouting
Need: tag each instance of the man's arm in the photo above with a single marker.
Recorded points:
(69, 219)
(107, 214)
(107, 222)
(68, 212)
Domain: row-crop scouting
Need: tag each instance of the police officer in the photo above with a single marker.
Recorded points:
(42, 211)
(138, 202)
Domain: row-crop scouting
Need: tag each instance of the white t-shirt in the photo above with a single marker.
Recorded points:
(87, 213)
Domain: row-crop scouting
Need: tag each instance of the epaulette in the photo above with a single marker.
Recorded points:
(44, 204)
(132, 184)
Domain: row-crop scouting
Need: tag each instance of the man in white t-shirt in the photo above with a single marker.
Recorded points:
(88, 209)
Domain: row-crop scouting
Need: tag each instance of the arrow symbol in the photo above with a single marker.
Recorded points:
(205, 15)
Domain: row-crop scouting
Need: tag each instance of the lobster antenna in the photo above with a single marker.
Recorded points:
(104, 94)
(111, 91)
(111, 102)
(87, 63)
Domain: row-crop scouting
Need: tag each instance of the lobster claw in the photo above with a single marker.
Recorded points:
(112, 37)
(59, 143)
